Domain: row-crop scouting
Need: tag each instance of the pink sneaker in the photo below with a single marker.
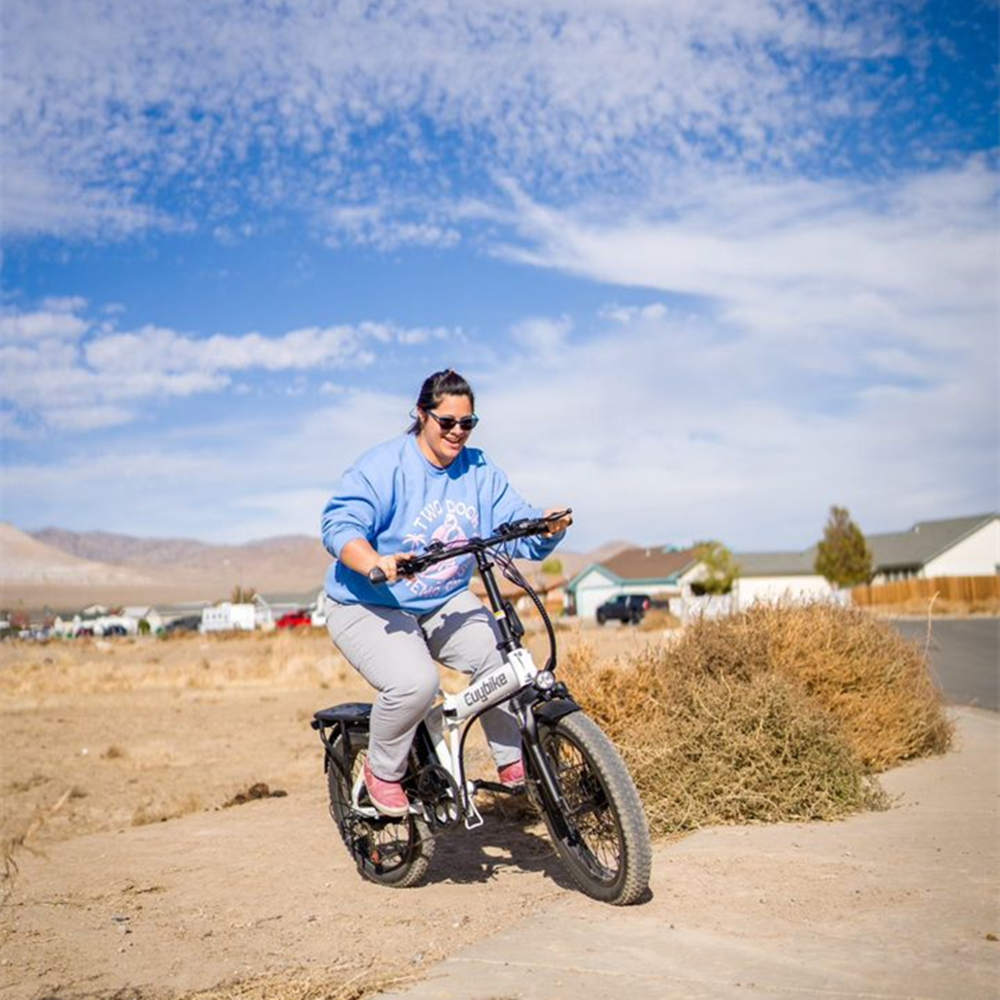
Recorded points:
(387, 797)
(512, 775)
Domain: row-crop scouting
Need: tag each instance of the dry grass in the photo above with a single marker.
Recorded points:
(657, 619)
(191, 662)
(355, 985)
(778, 713)
(159, 812)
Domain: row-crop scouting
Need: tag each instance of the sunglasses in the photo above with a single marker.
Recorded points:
(449, 423)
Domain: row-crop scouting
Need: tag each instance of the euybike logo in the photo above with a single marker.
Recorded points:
(484, 690)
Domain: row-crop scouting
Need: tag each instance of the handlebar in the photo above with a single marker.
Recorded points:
(438, 551)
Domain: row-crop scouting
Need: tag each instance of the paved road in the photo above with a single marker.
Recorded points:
(896, 905)
(965, 657)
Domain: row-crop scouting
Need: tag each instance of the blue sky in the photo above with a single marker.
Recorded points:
(710, 266)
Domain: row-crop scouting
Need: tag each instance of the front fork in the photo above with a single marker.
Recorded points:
(548, 787)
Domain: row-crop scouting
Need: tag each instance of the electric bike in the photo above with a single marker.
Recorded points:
(574, 775)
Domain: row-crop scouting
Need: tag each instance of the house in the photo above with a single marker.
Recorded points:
(661, 572)
(145, 613)
(227, 617)
(777, 576)
(957, 546)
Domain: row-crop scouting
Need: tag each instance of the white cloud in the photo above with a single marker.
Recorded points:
(64, 304)
(821, 344)
(110, 110)
(157, 349)
(87, 418)
(385, 226)
(837, 264)
(659, 432)
(544, 339)
(61, 371)
(224, 482)
(39, 326)
(654, 427)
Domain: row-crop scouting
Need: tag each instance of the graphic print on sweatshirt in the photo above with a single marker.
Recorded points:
(450, 522)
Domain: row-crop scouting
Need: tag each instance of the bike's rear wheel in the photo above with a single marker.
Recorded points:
(600, 831)
(394, 852)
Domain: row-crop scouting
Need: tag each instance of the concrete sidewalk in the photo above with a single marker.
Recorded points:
(884, 905)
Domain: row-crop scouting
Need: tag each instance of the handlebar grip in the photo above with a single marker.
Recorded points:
(377, 575)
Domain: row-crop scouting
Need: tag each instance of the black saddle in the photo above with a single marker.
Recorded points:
(352, 712)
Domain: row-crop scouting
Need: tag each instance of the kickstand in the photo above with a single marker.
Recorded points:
(473, 818)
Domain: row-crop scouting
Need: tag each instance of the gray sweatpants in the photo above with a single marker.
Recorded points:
(395, 651)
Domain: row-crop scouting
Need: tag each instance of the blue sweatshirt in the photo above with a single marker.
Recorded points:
(401, 502)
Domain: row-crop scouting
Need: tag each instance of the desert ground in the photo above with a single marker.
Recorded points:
(141, 863)
(134, 870)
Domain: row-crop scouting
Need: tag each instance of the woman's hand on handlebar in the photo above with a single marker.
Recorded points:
(359, 555)
(385, 570)
(562, 522)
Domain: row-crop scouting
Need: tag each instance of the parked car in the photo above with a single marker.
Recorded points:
(188, 623)
(295, 619)
(626, 608)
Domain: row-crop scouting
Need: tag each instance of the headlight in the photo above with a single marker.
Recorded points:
(545, 680)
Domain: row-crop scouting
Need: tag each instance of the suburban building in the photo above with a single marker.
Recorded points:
(777, 576)
(956, 546)
(227, 617)
(661, 572)
(146, 613)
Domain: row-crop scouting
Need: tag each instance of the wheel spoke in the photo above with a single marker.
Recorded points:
(394, 851)
(593, 831)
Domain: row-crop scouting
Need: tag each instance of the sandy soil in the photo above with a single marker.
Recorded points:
(130, 877)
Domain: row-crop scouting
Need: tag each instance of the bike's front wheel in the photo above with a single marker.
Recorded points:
(598, 827)
(391, 851)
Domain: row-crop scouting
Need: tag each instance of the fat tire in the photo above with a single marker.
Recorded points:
(418, 845)
(622, 813)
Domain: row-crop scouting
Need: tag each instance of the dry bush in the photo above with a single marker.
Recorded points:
(657, 619)
(874, 682)
(778, 713)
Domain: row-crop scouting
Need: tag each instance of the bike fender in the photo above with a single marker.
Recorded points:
(552, 711)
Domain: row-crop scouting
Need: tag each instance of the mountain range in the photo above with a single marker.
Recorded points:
(59, 568)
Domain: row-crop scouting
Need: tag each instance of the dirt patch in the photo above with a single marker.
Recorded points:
(127, 877)
(258, 790)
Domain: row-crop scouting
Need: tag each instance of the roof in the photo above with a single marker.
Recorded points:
(660, 564)
(650, 564)
(923, 542)
(776, 563)
(894, 549)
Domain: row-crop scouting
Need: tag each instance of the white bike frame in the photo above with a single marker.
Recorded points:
(446, 721)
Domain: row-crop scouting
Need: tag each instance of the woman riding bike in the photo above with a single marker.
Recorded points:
(422, 487)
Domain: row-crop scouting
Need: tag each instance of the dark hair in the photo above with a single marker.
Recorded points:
(443, 383)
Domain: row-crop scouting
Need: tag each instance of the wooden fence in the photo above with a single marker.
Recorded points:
(948, 588)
